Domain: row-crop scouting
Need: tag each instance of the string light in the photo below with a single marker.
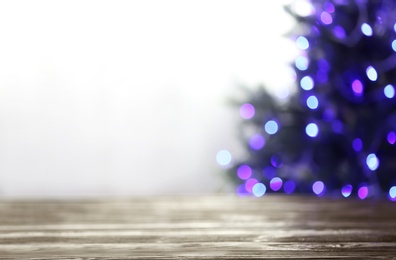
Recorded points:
(345, 74)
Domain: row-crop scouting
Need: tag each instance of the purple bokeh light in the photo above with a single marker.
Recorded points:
(391, 137)
(318, 188)
(247, 111)
(244, 172)
(362, 192)
(257, 142)
(289, 186)
(339, 32)
(249, 184)
(329, 7)
(276, 184)
(326, 18)
(357, 87)
(346, 190)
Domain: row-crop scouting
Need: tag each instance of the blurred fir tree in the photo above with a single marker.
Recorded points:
(337, 133)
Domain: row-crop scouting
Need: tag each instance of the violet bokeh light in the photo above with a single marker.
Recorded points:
(329, 7)
(391, 137)
(357, 87)
(276, 184)
(318, 188)
(339, 32)
(346, 190)
(257, 142)
(326, 18)
(363, 192)
(247, 111)
(249, 184)
(244, 172)
(289, 186)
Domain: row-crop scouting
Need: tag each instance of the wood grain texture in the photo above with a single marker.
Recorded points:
(211, 227)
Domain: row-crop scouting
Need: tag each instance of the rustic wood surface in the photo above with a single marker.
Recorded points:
(211, 227)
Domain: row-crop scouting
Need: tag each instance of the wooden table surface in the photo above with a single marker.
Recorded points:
(210, 227)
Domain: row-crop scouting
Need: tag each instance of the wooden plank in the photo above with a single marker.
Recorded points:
(192, 227)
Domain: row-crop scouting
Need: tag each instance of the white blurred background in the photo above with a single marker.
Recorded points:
(102, 98)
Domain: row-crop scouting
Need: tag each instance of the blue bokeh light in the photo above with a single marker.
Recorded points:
(392, 193)
(271, 127)
(223, 157)
(346, 190)
(389, 91)
(357, 144)
(312, 102)
(302, 43)
(302, 63)
(259, 189)
(312, 130)
(394, 45)
(289, 187)
(307, 83)
(371, 73)
(366, 29)
(372, 161)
